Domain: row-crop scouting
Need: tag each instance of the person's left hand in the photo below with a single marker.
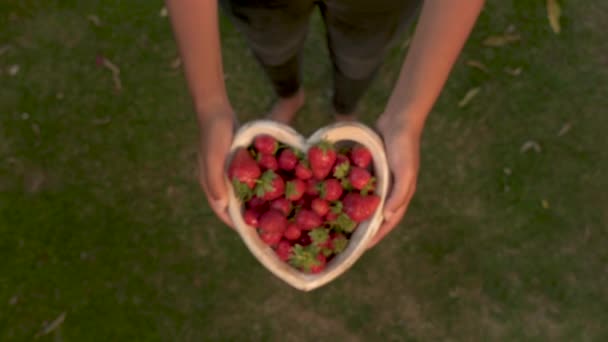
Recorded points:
(402, 144)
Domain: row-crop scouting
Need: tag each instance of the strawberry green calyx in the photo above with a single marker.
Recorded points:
(299, 154)
(326, 251)
(241, 190)
(336, 207)
(304, 257)
(346, 184)
(344, 223)
(342, 170)
(369, 187)
(339, 244)
(319, 236)
(325, 146)
(264, 184)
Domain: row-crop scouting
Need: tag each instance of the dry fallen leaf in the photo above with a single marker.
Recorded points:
(513, 71)
(497, 41)
(163, 12)
(565, 128)
(478, 65)
(94, 19)
(530, 144)
(554, 11)
(52, 326)
(4, 49)
(14, 299)
(115, 72)
(469, 96)
(176, 63)
(545, 204)
(13, 70)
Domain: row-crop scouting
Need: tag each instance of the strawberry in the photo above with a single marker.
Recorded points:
(319, 206)
(359, 208)
(256, 203)
(331, 189)
(270, 238)
(303, 170)
(287, 159)
(320, 266)
(265, 144)
(294, 189)
(361, 156)
(268, 162)
(281, 204)
(273, 221)
(312, 187)
(243, 172)
(359, 177)
(250, 217)
(304, 240)
(331, 216)
(283, 250)
(270, 186)
(321, 157)
(292, 232)
(342, 167)
(307, 219)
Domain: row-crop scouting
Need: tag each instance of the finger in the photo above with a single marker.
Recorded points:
(398, 198)
(222, 213)
(220, 208)
(388, 226)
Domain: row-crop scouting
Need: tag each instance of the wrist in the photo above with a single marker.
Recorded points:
(410, 123)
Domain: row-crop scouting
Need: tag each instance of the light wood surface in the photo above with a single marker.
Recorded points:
(341, 263)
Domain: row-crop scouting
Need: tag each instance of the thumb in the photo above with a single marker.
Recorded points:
(216, 185)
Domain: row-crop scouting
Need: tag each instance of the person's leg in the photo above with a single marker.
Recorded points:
(275, 31)
(359, 33)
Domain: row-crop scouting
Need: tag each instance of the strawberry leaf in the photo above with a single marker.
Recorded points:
(319, 235)
(340, 244)
(325, 145)
(304, 257)
(326, 251)
(336, 207)
(344, 223)
(342, 170)
(346, 184)
(265, 183)
(241, 190)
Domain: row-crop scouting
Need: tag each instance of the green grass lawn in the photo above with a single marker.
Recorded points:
(101, 217)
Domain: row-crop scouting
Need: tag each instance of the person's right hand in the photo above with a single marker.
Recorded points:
(216, 131)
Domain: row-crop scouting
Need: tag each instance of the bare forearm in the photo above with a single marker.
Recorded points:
(442, 30)
(195, 23)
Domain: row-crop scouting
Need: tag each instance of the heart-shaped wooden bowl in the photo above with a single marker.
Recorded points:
(354, 132)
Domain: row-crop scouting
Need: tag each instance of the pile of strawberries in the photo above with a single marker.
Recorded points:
(305, 207)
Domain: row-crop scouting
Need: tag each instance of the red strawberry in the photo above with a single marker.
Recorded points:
(312, 187)
(319, 206)
(342, 167)
(256, 203)
(331, 189)
(307, 220)
(303, 170)
(281, 204)
(304, 240)
(322, 157)
(283, 250)
(320, 265)
(359, 208)
(292, 232)
(331, 216)
(265, 144)
(273, 221)
(270, 238)
(287, 159)
(270, 186)
(361, 156)
(268, 162)
(243, 168)
(294, 189)
(359, 177)
(251, 217)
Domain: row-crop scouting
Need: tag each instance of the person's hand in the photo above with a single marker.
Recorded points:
(216, 132)
(403, 153)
